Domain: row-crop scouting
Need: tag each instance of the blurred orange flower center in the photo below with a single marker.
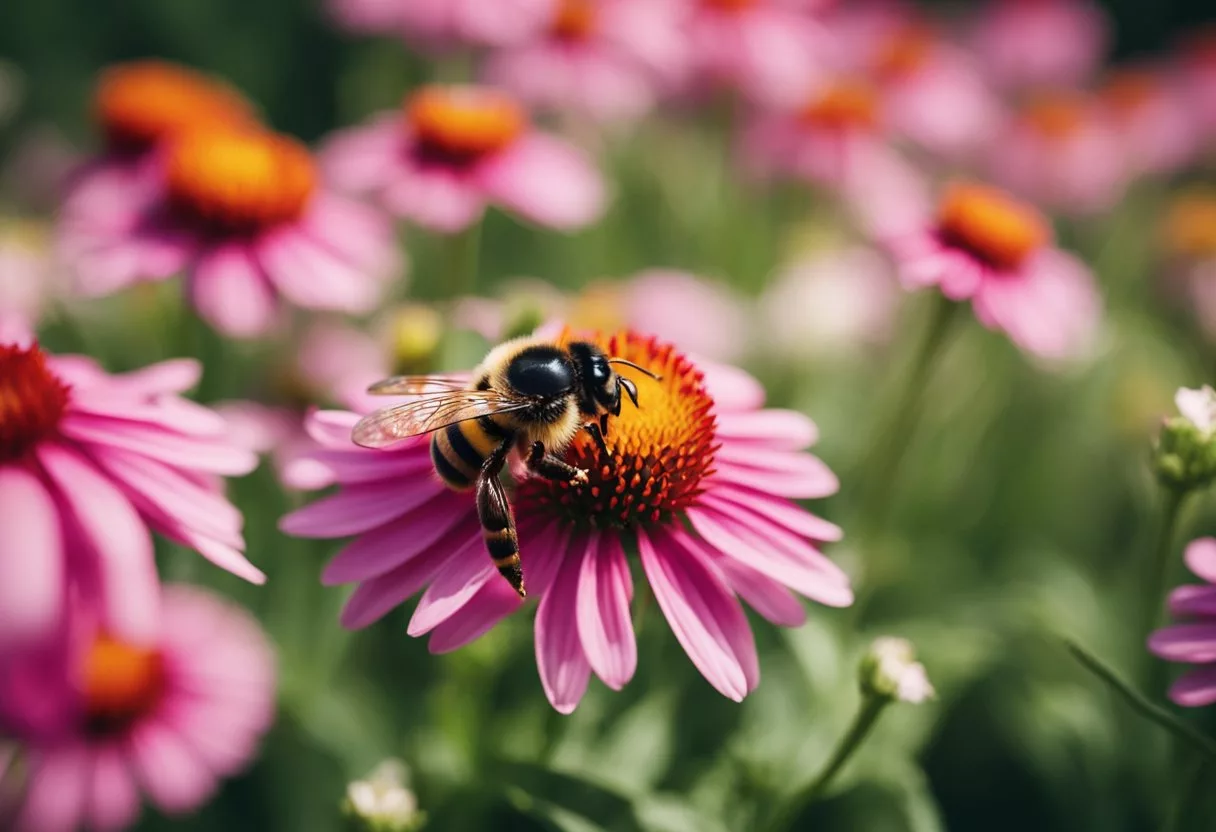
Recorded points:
(1127, 92)
(1190, 225)
(1056, 115)
(729, 5)
(575, 20)
(659, 452)
(142, 103)
(845, 104)
(120, 683)
(991, 225)
(240, 179)
(32, 400)
(463, 124)
(904, 51)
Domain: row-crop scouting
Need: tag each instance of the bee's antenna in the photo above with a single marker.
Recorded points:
(642, 370)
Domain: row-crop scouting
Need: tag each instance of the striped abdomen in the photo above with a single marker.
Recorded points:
(458, 451)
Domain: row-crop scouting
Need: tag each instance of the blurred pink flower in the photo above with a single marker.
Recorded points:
(89, 462)
(446, 24)
(701, 317)
(931, 91)
(241, 214)
(1196, 66)
(985, 247)
(1154, 119)
(454, 150)
(829, 303)
(101, 720)
(770, 50)
(1063, 153)
(607, 59)
(1193, 642)
(27, 282)
(713, 457)
(1034, 43)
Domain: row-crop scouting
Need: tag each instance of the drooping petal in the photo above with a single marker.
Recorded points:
(31, 559)
(313, 276)
(564, 670)
(113, 798)
(173, 449)
(231, 293)
(376, 552)
(546, 181)
(1200, 558)
(1192, 643)
(359, 507)
(605, 626)
(55, 800)
(491, 604)
(787, 430)
(168, 769)
(704, 615)
(1196, 688)
(769, 598)
(728, 497)
(435, 198)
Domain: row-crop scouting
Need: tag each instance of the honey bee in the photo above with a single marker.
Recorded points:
(529, 395)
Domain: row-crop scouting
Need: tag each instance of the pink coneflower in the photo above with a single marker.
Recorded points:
(986, 247)
(100, 719)
(606, 59)
(89, 462)
(27, 281)
(1061, 151)
(1153, 118)
(1188, 237)
(456, 149)
(699, 449)
(1034, 43)
(242, 214)
(1193, 642)
(770, 50)
(447, 24)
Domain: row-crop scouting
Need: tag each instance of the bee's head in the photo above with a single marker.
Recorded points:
(601, 386)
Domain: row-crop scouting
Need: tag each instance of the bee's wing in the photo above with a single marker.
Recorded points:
(429, 413)
(420, 385)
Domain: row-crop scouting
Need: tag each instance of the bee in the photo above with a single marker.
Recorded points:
(529, 395)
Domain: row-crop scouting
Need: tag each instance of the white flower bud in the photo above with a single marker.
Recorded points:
(889, 669)
(1199, 408)
(382, 802)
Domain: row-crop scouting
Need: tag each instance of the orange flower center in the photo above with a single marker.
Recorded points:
(575, 20)
(32, 400)
(461, 124)
(729, 5)
(142, 103)
(1128, 91)
(659, 452)
(120, 684)
(1190, 225)
(905, 51)
(848, 104)
(1056, 116)
(238, 179)
(991, 225)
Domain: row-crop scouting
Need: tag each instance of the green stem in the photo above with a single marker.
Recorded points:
(1188, 788)
(891, 443)
(463, 251)
(1141, 705)
(864, 721)
(1172, 505)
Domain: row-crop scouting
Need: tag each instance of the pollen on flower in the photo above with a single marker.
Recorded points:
(904, 52)
(240, 179)
(32, 400)
(849, 103)
(1056, 115)
(141, 103)
(659, 452)
(575, 20)
(1189, 227)
(120, 683)
(461, 124)
(991, 225)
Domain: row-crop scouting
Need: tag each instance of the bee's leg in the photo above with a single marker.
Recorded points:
(552, 468)
(597, 433)
(497, 522)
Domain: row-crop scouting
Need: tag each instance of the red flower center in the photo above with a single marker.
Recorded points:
(659, 452)
(239, 179)
(847, 104)
(120, 684)
(575, 20)
(32, 400)
(1056, 116)
(142, 103)
(1126, 93)
(462, 124)
(904, 51)
(991, 225)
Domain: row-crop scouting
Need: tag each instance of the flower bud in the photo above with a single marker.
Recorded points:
(415, 332)
(382, 802)
(889, 669)
(1185, 455)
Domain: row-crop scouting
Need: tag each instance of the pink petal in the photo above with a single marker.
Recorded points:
(564, 670)
(1191, 643)
(31, 559)
(231, 293)
(435, 198)
(357, 233)
(377, 551)
(462, 576)
(546, 181)
(1191, 600)
(1195, 689)
(731, 388)
(605, 626)
(728, 498)
(176, 375)
(113, 797)
(312, 276)
(807, 479)
(702, 612)
(57, 790)
(768, 597)
(1200, 558)
(355, 159)
(492, 603)
(159, 444)
(359, 508)
(119, 537)
(787, 430)
(170, 772)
